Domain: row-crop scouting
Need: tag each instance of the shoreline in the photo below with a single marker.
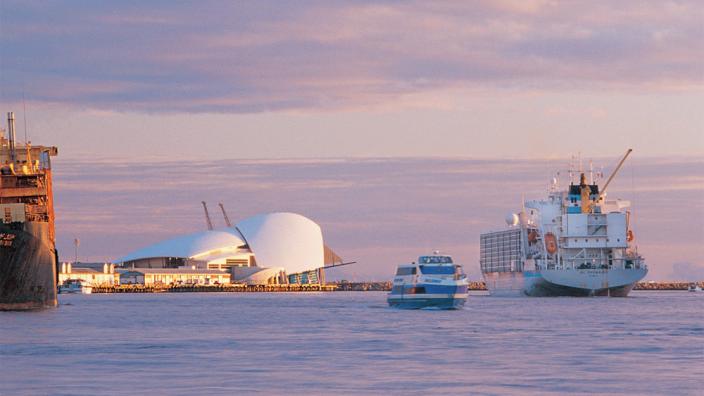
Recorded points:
(329, 287)
(481, 286)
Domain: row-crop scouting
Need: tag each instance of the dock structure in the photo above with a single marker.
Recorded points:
(230, 288)
(330, 287)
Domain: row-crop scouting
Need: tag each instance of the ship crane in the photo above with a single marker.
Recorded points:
(613, 174)
(224, 214)
(207, 216)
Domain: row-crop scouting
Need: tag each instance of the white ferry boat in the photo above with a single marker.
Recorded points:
(434, 281)
(75, 286)
(575, 243)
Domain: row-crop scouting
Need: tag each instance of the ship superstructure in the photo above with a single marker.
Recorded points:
(27, 242)
(574, 243)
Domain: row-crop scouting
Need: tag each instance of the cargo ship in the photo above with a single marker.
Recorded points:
(28, 254)
(574, 243)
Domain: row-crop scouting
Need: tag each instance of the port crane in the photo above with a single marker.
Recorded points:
(613, 174)
(224, 214)
(207, 216)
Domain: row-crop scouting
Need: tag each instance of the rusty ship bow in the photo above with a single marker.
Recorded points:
(27, 244)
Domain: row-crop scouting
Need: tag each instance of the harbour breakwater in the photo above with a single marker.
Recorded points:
(481, 286)
(330, 287)
(666, 285)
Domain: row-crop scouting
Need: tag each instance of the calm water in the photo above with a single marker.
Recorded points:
(351, 343)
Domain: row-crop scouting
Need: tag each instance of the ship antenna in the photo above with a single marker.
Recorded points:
(591, 172)
(24, 107)
(76, 244)
(633, 191)
(579, 157)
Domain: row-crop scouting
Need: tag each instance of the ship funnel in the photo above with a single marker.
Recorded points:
(11, 133)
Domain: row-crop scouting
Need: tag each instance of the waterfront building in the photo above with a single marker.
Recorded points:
(89, 275)
(173, 276)
(270, 248)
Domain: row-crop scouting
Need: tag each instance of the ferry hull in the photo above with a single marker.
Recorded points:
(437, 296)
(419, 302)
(27, 267)
(574, 283)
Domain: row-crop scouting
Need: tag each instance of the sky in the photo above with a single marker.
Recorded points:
(133, 85)
(379, 212)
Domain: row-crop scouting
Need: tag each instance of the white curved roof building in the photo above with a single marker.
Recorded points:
(285, 240)
(199, 244)
(280, 243)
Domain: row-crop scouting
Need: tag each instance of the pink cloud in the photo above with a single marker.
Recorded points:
(244, 58)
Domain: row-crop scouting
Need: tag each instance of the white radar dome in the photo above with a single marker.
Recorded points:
(512, 219)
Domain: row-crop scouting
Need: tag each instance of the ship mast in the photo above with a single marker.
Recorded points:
(11, 136)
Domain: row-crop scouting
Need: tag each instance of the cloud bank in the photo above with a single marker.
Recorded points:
(243, 57)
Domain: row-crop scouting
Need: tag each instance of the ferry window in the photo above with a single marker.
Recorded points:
(435, 259)
(406, 271)
(434, 270)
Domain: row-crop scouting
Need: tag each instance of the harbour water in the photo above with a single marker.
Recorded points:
(353, 343)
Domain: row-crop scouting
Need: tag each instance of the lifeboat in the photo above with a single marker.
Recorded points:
(550, 243)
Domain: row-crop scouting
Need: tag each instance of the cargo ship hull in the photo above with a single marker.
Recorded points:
(27, 266)
(556, 283)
